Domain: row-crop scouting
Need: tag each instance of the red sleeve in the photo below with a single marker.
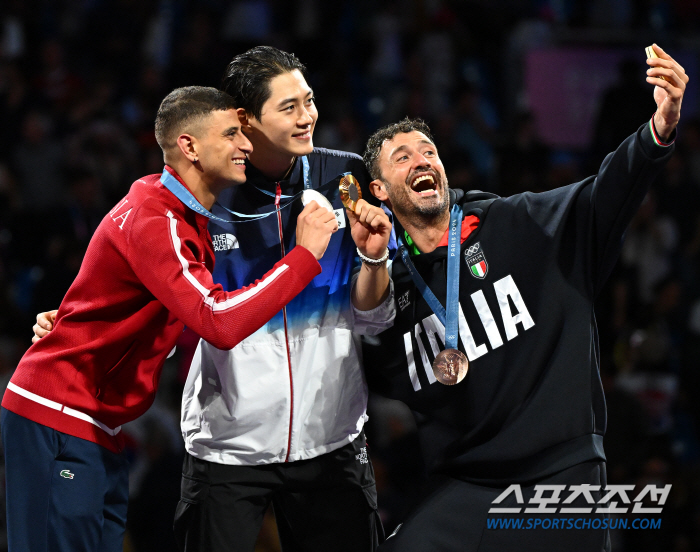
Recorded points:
(165, 252)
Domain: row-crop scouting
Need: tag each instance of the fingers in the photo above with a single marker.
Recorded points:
(44, 325)
(325, 217)
(352, 216)
(310, 207)
(369, 216)
(663, 56)
(665, 61)
(674, 83)
(315, 226)
(39, 332)
(673, 92)
(314, 212)
(329, 220)
(668, 68)
(669, 79)
(45, 320)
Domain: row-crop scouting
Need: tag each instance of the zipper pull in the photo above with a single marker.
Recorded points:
(278, 195)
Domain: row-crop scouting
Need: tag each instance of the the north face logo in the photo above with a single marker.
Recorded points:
(362, 457)
(224, 242)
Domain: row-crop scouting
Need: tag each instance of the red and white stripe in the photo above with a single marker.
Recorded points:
(62, 408)
(203, 290)
(655, 136)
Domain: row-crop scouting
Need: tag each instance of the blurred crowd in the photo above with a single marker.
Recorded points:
(80, 83)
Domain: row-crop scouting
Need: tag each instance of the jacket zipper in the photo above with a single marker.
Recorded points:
(278, 197)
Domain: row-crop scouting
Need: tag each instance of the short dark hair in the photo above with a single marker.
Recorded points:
(183, 108)
(247, 77)
(375, 142)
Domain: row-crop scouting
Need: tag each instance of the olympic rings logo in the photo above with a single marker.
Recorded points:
(472, 249)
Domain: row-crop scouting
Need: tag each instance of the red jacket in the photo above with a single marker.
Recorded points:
(146, 274)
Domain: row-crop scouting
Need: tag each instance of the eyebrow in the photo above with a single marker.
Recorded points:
(287, 100)
(405, 147)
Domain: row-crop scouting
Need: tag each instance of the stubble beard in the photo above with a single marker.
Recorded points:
(422, 216)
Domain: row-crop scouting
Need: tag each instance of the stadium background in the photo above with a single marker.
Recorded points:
(521, 95)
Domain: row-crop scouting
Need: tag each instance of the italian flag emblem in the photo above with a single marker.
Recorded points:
(479, 269)
(476, 261)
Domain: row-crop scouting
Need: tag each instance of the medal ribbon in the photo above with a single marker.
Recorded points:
(449, 318)
(307, 184)
(184, 195)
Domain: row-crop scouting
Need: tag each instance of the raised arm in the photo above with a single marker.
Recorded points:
(176, 274)
(626, 174)
(371, 229)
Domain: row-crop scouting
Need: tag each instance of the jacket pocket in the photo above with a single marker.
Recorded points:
(193, 491)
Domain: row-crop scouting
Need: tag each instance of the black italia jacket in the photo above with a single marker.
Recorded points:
(532, 402)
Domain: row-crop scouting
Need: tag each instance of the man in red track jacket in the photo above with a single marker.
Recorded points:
(146, 274)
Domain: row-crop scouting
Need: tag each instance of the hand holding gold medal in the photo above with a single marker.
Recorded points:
(370, 226)
(350, 192)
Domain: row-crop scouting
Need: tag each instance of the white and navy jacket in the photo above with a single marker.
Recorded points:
(295, 389)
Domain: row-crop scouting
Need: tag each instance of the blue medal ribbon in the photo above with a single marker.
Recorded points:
(184, 195)
(449, 318)
(307, 183)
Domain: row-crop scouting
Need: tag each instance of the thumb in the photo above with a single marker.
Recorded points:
(352, 217)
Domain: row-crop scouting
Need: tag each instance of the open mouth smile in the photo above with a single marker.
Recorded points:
(424, 185)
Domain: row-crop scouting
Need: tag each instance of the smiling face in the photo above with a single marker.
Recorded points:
(413, 181)
(286, 124)
(221, 148)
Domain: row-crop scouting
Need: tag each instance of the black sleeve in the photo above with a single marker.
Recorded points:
(618, 190)
(585, 222)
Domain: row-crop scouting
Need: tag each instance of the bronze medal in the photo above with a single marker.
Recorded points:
(450, 366)
(350, 192)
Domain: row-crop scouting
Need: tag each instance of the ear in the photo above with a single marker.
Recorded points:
(187, 144)
(378, 190)
(243, 117)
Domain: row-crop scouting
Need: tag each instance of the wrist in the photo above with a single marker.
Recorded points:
(662, 129)
(374, 261)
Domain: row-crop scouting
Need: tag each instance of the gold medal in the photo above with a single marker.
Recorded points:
(350, 192)
(450, 366)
